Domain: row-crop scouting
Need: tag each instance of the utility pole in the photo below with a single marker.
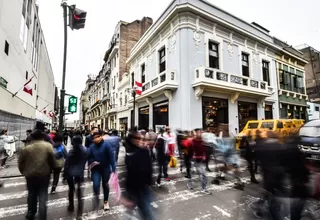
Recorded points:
(77, 19)
(134, 108)
(63, 91)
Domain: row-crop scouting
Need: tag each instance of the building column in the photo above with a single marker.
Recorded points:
(149, 101)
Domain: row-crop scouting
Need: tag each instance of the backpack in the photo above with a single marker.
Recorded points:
(59, 151)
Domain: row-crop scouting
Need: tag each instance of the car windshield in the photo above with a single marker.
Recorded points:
(310, 131)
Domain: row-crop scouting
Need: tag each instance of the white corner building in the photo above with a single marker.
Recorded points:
(202, 67)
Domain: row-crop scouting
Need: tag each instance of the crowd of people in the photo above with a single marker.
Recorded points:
(45, 154)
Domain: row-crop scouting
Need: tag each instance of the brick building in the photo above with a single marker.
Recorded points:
(108, 95)
(312, 70)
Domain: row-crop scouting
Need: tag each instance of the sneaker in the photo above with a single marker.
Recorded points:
(106, 206)
(53, 190)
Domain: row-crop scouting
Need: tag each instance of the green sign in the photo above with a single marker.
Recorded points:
(3, 82)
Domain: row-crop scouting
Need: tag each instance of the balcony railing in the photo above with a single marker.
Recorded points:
(164, 78)
(209, 76)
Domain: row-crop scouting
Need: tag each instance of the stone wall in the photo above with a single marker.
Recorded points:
(16, 125)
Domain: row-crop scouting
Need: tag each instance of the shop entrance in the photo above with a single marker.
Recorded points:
(246, 111)
(143, 118)
(161, 114)
(215, 114)
(268, 112)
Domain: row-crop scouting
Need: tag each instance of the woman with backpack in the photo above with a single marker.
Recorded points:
(61, 154)
(74, 167)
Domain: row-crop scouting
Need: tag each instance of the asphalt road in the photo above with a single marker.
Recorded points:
(173, 200)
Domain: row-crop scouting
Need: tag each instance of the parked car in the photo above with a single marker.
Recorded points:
(310, 140)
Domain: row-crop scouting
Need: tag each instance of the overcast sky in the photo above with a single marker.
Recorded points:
(294, 21)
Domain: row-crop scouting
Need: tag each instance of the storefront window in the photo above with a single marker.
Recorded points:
(268, 112)
(215, 114)
(246, 111)
(144, 118)
(161, 114)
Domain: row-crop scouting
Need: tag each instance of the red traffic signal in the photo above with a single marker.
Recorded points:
(77, 18)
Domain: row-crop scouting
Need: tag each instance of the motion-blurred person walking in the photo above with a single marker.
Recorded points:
(60, 153)
(74, 167)
(36, 163)
(138, 177)
(101, 162)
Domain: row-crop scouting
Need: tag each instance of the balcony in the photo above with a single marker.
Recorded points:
(213, 79)
(113, 108)
(164, 81)
(106, 97)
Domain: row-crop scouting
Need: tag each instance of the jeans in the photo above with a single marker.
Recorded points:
(56, 177)
(163, 168)
(37, 188)
(97, 175)
(72, 181)
(142, 199)
(200, 166)
(116, 153)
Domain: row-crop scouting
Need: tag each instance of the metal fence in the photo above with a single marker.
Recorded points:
(16, 126)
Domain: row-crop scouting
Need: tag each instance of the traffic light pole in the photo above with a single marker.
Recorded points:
(63, 91)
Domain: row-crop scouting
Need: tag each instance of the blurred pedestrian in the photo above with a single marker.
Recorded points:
(74, 167)
(115, 140)
(162, 156)
(37, 173)
(61, 154)
(138, 177)
(101, 163)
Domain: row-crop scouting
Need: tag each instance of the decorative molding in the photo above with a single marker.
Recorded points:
(173, 40)
(150, 58)
(255, 57)
(266, 51)
(149, 101)
(168, 94)
(214, 30)
(230, 49)
(234, 97)
(198, 92)
(198, 24)
(231, 37)
(160, 37)
(246, 43)
(197, 39)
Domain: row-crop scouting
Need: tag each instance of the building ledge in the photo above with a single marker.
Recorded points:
(213, 79)
(165, 81)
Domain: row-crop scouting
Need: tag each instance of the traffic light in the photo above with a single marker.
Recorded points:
(73, 102)
(77, 18)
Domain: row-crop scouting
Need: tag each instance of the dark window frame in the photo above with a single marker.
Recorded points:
(162, 59)
(143, 73)
(245, 68)
(213, 54)
(266, 71)
(27, 75)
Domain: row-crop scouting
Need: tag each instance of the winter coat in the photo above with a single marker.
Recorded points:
(76, 161)
(37, 159)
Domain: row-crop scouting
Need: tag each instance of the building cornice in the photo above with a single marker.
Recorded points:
(158, 27)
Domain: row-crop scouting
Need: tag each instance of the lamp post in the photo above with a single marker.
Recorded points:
(133, 92)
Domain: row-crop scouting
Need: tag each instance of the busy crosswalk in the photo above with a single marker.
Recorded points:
(167, 199)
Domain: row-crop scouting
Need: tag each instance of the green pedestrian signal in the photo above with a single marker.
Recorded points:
(73, 102)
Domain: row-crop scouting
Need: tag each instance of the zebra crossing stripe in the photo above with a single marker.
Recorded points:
(173, 198)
